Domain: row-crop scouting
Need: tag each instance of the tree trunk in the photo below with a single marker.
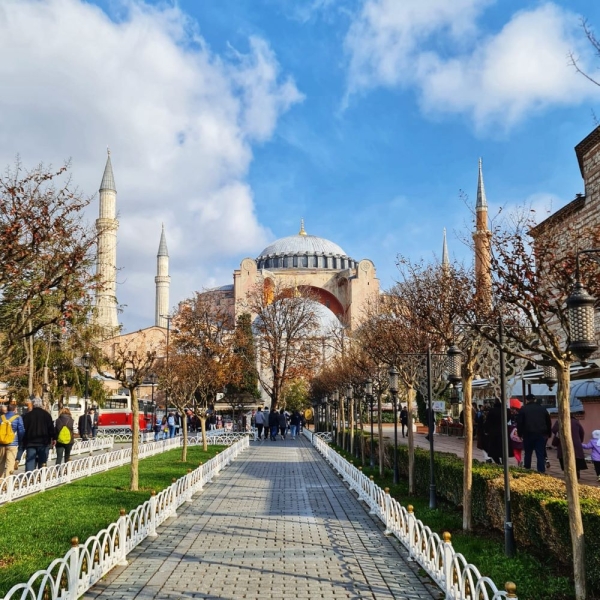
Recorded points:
(362, 437)
(135, 442)
(184, 448)
(351, 425)
(468, 451)
(203, 429)
(410, 395)
(572, 485)
(380, 436)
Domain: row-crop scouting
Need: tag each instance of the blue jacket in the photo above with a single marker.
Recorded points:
(17, 427)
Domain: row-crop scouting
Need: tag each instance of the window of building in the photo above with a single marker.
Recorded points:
(305, 261)
(295, 261)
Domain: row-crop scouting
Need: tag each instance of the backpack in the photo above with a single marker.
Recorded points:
(7, 435)
(64, 436)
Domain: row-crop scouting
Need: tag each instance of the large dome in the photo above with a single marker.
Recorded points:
(304, 251)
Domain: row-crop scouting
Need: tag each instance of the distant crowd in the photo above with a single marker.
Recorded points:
(34, 434)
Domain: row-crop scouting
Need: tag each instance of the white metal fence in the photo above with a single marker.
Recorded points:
(84, 564)
(81, 447)
(458, 579)
(19, 485)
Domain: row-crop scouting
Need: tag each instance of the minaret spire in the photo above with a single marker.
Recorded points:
(105, 315)
(302, 230)
(482, 239)
(162, 281)
(445, 259)
(481, 199)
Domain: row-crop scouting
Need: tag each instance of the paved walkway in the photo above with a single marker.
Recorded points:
(277, 523)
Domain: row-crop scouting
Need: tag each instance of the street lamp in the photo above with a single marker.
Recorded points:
(580, 313)
(350, 411)
(152, 378)
(86, 363)
(370, 399)
(393, 374)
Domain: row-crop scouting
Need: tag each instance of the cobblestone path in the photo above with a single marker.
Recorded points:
(276, 523)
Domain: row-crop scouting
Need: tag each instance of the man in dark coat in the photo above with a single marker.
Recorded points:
(404, 420)
(494, 433)
(273, 424)
(84, 425)
(39, 435)
(533, 427)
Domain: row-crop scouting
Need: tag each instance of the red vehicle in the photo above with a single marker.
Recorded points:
(117, 412)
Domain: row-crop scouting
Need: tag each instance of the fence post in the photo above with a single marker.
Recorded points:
(122, 538)
(152, 523)
(448, 554)
(411, 530)
(386, 512)
(173, 497)
(511, 590)
(372, 502)
(74, 570)
(189, 491)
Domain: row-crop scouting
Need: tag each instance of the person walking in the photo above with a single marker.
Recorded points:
(494, 433)
(282, 423)
(39, 435)
(84, 425)
(259, 421)
(577, 435)
(8, 447)
(171, 424)
(273, 424)
(295, 424)
(404, 420)
(65, 438)
(94, 422)
(594, 446)
(533, 427)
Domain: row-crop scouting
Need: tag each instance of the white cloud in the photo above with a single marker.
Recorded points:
(438, 48)
(179, 119)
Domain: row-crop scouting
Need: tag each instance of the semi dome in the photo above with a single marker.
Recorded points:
(304, 251)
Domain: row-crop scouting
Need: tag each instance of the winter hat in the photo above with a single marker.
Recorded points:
(596, 434)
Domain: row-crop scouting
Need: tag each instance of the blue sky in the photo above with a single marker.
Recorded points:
(230, 120)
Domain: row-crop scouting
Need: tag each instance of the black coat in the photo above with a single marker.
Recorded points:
(84, 424)
(273, 419)
(39, 428)
(493, 432)
(64, 421)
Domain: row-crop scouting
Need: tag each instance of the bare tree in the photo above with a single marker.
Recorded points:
(287, 335)
(131, 363)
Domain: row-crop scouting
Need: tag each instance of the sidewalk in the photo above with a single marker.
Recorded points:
(455, 445)
(277, 523)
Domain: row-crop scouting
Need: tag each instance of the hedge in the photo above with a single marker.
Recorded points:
(538, 502)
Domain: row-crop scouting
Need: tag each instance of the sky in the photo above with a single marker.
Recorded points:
(229, 121)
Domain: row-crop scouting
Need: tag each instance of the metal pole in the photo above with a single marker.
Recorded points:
(396, 475)
(432, 489)
(509, 538)
(85, 399)
(372, 457)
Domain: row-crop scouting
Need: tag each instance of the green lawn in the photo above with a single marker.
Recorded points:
(483, 548)
(38, 529)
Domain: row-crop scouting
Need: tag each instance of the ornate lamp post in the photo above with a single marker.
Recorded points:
(581, 313)
(350, 412)
(370, 399)
(393, 375)
(86, 363)
(335, 398)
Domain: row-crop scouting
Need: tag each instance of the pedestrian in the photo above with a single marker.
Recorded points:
(513, 435)
(39, 435)
(212, 422)
(171, 424)
(84, 426)
(404, 420)
(481, 435)
(164, 427)
(9, 447)
(94, 422)
(594, 446)
(259, 421)
(577, 435)
(273, 424)
(63, 433)
(157, 428)
(533, 427)
(495, 433)
(282, 423)
(295, 424)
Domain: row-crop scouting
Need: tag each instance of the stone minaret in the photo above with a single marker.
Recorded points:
(445, 258)
(482, 238)
(163, 281)
(106, 260)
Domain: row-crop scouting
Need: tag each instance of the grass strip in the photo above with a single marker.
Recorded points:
(482, 548)
(39, 528)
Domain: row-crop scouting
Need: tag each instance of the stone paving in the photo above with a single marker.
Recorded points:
(277, 523)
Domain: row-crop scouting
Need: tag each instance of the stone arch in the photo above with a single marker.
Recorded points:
(327, 299)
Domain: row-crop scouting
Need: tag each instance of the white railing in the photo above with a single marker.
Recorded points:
(81, 447)
(123, 434)
(19, 485)
(222, 436)
(326, 436)
(457, 578)
(85, 564)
